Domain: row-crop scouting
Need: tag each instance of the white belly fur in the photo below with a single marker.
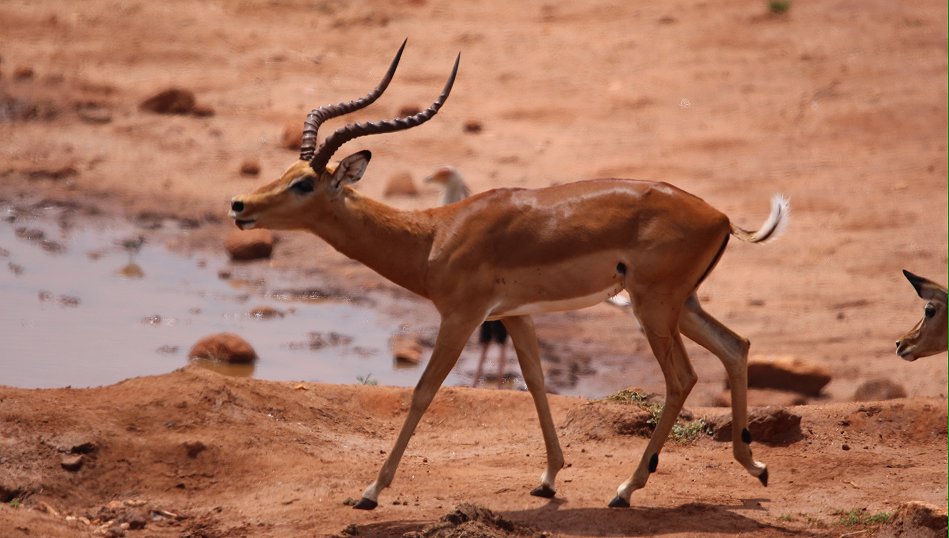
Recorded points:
(574, 303)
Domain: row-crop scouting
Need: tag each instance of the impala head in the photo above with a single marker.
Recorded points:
(304, 189)
(928, 337)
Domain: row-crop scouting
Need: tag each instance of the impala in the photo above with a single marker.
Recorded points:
(928, 337)
(507, 254)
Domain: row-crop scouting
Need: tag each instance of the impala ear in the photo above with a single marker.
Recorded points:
(350, 169)
(925, 288)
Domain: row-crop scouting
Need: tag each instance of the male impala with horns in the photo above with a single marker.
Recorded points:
(507, 254)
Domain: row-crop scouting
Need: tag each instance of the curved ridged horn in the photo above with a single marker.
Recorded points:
(355, 130)
(317, 116)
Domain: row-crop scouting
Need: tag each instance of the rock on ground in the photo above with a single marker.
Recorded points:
(246, 245)
(292, 135)
(170, 101)
(768, 425)
(406, 349)
(401, 185)
(788, 373)
(879, 389)
(225, 347)
(250, 167)
(265, 312)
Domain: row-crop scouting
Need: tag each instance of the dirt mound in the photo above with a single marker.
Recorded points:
(599, 420)
(194, 453)
(917, 519)
(473, 521)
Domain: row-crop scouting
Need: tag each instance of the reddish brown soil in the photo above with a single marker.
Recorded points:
(841, 105)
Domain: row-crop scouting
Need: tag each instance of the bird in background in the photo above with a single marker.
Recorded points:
(456, 190)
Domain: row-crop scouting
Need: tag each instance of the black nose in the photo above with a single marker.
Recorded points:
(237, 206)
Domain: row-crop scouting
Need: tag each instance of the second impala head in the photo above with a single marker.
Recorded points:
(299, 196)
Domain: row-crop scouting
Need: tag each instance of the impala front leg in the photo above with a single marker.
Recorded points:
(452, 335)
(521, 329)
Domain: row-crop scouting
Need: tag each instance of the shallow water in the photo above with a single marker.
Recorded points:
(88, 306)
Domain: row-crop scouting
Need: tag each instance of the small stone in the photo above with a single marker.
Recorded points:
(114, 531)
(249, 244)
(472, 127)
(879, 389)
(319, 340)
(170, 101)
(74, 443)
(193, 448)
(202, 110)
(250, 167)
(54, 171)
(72, 462)
(292, 135)
(845, 446)
(788, 373)
(224, 347)
(265, 312)
(406, 349)
(68, 300)
(23, 72)
(401, 185)
(94, 113)
(132, 270)
(30, 234)
(409, 110)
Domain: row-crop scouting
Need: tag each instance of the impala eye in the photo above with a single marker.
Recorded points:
(930, 311)
(302, 186)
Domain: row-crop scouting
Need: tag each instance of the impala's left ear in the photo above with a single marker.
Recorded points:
(925, 288)
(350, 169)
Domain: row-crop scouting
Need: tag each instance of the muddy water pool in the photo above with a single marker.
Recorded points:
(94, 304)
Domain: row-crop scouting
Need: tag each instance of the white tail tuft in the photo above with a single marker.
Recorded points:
(772, 228)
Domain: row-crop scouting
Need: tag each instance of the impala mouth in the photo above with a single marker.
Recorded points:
(907, 354)
(245, 224)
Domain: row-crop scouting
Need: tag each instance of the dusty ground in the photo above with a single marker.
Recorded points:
(841, 105)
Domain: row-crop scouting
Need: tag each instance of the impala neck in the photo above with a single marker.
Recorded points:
(393, 243)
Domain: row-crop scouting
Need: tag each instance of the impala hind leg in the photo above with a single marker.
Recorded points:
(521, 329)
(452, 336)
(732, 349)
(660, 324)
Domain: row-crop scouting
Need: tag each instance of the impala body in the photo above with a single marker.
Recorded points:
(510, 253)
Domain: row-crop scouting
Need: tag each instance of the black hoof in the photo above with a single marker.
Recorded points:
(365, 504)
(619, 502)
(763, 477)
(543, 491)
